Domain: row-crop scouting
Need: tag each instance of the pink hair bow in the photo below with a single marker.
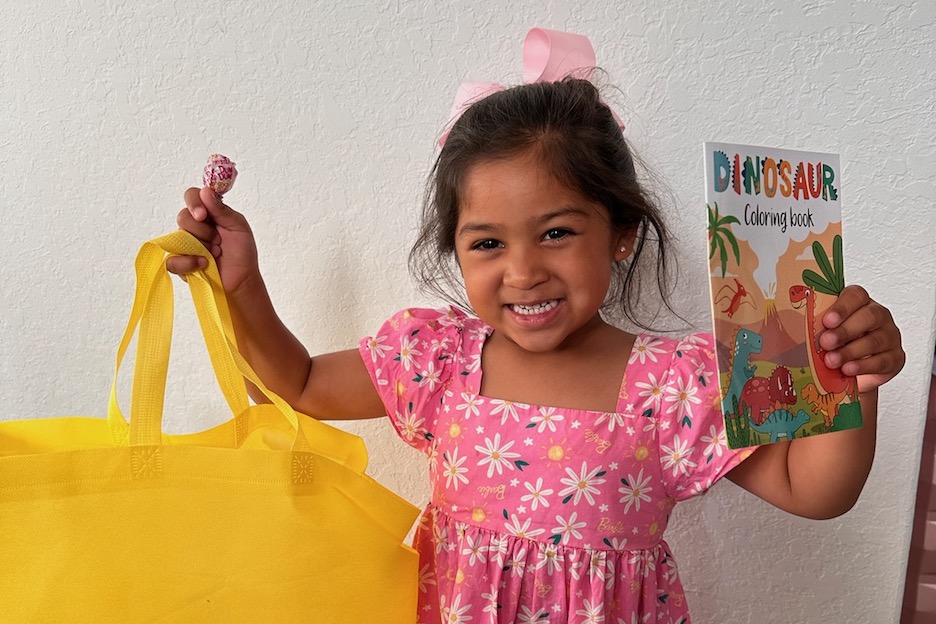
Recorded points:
(548, 56)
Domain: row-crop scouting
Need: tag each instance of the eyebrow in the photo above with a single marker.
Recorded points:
(571, 211)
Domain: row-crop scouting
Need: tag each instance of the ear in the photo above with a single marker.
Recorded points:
(624, 245)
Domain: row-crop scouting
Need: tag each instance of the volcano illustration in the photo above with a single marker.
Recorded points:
(783, 334)
(779, 345)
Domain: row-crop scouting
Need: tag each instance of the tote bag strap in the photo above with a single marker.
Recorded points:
(151, 275)
(152, 313)
(202, 287)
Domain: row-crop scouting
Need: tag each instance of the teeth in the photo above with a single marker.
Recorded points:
(534, 309)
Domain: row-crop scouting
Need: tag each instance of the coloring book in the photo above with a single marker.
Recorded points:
(775, 265)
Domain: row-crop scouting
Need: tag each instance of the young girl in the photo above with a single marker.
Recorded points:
(557, 443)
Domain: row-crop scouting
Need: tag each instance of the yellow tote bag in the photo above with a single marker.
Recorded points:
(266, 518)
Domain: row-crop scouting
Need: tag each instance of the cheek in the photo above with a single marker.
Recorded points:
(472, 273)
(600, 264)
(480, 289)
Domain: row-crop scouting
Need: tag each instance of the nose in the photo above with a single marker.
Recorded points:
(525, 268)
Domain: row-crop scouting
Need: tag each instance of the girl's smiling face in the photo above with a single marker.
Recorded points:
(535, 256)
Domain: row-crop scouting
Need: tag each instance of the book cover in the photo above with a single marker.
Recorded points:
(775, 265)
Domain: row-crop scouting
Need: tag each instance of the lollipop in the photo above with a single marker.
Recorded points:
(219, 174)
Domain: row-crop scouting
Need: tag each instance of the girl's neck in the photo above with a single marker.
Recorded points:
(583, 374)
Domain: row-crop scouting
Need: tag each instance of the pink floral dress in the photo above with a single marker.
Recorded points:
(542, 514)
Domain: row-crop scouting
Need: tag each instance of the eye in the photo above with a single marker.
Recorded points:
(557, 234)
(486, 244)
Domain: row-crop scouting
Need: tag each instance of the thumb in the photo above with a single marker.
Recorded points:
(217, 211)
(213, 203)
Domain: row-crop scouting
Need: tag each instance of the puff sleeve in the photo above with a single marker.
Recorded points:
(410, 360)
(694, 451)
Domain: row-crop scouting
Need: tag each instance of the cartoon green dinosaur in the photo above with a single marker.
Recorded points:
(746, 343)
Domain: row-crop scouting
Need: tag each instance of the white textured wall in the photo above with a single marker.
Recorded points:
(331, 110)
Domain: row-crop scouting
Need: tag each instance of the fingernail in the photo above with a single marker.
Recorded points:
(833, 317)
(832, 360)
(201, 262)
(199, 213)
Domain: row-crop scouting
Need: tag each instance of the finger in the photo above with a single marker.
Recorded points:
(205, 232)
(194, 204)
(865, 319)
(180, 265)
(880, 340)
(223, 215)
(848, 302)
(884, 365)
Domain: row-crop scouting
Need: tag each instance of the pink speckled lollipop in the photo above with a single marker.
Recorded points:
(219, 174)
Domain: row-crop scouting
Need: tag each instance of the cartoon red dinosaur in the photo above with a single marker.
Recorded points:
(765, 395)
(736, 299)
(828, 380)
(831, 387)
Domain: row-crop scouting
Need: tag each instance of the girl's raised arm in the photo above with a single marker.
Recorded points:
(334, 386)
(822, 476)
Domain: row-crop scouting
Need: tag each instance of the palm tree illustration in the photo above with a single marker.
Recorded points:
(721, 236)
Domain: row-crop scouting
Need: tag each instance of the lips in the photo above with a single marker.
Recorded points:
(533, 309)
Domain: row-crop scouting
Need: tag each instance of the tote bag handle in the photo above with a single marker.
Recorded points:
(152, 313)
(150, 267)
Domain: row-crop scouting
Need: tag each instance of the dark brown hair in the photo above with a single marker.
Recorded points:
(573, 133)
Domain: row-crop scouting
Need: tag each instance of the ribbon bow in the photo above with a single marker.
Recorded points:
(548, 56)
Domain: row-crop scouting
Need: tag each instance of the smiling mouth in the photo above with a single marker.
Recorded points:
(530, 310)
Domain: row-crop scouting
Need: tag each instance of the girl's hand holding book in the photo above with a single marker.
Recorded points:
(862, 339)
